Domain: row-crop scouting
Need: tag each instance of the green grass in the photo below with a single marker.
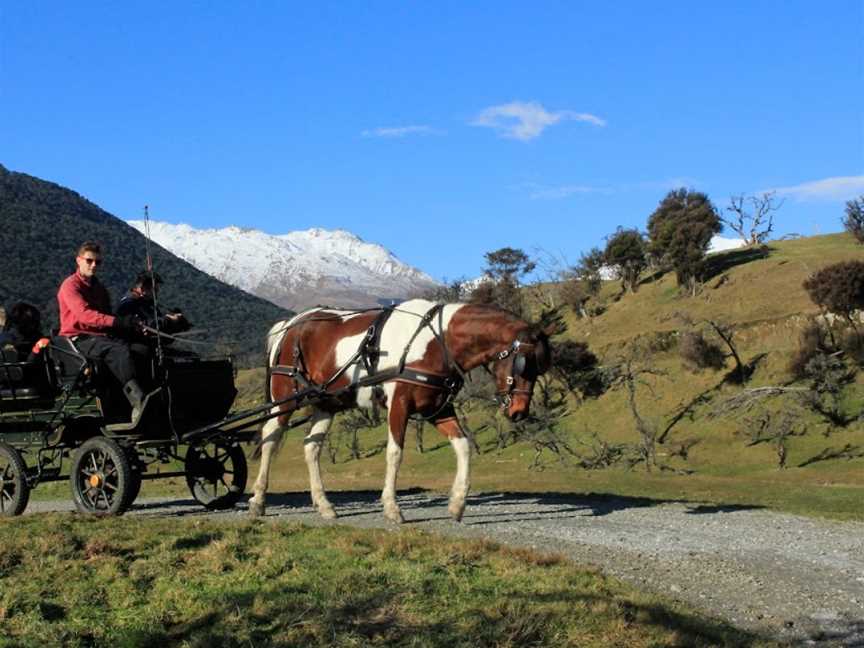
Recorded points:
(142, 582)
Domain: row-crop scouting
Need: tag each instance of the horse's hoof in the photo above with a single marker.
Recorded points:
(456, 511)
(394, 515)
(327, 512)
(255, 509)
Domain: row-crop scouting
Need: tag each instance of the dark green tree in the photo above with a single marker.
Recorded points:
(680, 230)
(508, 263)
(626, 253)
(582, 282)
(504, 268)
(854, 220)
(838, 289)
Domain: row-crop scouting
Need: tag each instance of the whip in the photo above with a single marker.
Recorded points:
(149, 268)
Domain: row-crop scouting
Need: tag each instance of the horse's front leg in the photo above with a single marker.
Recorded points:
(397, 423)
(271, 434)
(451, 429)
(312, 444)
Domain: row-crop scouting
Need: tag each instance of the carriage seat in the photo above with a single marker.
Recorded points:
(24, 384)
(70, 364)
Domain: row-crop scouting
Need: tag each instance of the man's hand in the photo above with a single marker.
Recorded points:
(176, 322)
(127, 323)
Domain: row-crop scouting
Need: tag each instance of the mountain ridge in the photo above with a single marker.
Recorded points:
(297, 269)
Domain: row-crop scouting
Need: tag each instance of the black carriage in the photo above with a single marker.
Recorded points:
(61, 417)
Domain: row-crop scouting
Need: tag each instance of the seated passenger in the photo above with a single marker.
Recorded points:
(140, 302)
(23, 331)
(85, 317)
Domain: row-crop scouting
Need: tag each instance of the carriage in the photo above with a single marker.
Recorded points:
(61, 418)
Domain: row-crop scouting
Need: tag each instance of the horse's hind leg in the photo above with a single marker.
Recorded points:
(312, 450)
(461, 483)
(271, 435)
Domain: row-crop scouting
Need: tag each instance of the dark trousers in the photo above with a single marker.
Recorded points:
(112, 353)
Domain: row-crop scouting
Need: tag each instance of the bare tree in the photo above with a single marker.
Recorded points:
(629, 376)
(752, 216)
(766, 427)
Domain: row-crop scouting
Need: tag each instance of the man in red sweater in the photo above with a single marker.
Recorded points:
(85, 316)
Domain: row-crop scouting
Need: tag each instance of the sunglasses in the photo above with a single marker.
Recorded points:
(91, 260)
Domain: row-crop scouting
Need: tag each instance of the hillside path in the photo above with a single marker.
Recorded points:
(780, 575)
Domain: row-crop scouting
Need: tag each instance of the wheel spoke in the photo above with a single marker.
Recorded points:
(111, 486)
(92, 458)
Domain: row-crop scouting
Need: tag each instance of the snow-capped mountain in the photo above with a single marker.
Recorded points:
(297, 269)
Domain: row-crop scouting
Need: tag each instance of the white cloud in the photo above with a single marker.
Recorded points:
(399, 131)
(526, 120)
(540, 192)
(839, 188)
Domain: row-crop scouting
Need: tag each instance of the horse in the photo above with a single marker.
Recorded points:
(409, 359)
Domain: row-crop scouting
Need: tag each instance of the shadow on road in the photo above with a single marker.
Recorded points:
(420, 505)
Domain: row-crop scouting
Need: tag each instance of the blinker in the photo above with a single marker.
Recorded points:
(519, 362)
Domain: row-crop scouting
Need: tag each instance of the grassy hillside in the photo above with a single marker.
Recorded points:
(746, 289)
(763, 300)
(42, 226)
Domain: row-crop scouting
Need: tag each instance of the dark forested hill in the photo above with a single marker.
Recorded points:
(41, 226)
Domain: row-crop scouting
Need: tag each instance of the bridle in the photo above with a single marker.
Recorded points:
(518, 350)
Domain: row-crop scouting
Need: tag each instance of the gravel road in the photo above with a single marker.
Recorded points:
(788, 577)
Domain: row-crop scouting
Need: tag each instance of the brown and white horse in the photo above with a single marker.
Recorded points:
(436, 344)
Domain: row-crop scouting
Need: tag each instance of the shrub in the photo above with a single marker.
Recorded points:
(574, 294)
(838, 288)
(699, 353)
(577, 366)
(852, 343)
(854, 220)
(811, 342)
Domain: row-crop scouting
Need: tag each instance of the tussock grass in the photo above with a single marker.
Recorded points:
(143, 582)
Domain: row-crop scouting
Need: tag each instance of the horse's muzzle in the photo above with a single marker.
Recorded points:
(521, 415)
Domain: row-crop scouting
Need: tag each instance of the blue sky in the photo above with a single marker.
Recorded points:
(440, 130)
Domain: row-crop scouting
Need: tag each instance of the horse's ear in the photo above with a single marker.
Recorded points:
(551, 322)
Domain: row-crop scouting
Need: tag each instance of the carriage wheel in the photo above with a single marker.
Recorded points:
(14, 490)
(101, 477)
(216, 474)
(135, 470)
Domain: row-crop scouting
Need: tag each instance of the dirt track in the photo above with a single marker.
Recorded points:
(779, 575)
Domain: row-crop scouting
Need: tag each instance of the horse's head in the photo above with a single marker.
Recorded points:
(517, 368)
